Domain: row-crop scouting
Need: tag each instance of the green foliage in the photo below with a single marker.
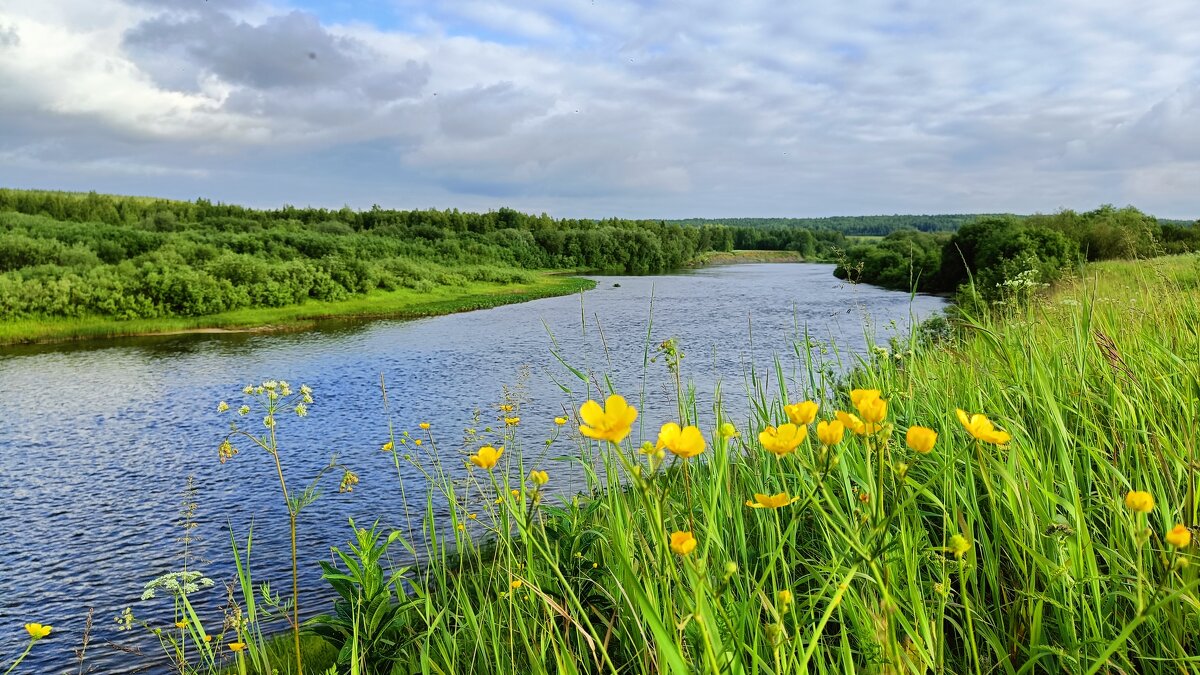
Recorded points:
(849, 225)
(998, 258)
(72, 255)
(372, 617)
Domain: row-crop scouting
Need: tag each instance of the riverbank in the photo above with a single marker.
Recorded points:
(398, 304)
(1065, 460)
(740, 257)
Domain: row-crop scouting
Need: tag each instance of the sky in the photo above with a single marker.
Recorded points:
(599, 108)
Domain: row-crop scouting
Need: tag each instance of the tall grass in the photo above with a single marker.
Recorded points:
(983, 555)
(981, 558)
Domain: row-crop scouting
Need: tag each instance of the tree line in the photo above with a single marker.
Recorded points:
(69, 254)
(1006, 255)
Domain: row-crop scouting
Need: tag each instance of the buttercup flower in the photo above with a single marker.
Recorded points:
(236, 646)
(1138, 501)
(682, 543)
(982, 428)
(852, 422)
(611, 423)
(830, 433)
(686, 442)
(512, 421)
(802, 413)
(1179, 536)
(727, 430)
(539, 478)
(783, 440)
(921, 439)
(516, 583)
(560, 421)
(424, 426)
(871, 408)
(775, 501)
(388, 447)
(222, 407)
(37, 631)
(784, 598)
(487, 457)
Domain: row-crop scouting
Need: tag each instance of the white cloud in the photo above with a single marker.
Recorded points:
(619, 107)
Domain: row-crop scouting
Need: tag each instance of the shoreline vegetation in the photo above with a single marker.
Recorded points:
(396, 304)
(1012, 488)
(1006, 492)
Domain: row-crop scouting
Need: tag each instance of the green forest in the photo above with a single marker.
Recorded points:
(1009, 255)
(74, 255)
(877, 226)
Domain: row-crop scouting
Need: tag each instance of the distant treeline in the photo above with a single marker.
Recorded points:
(1006, 255)
(848, 225)
(69, 254)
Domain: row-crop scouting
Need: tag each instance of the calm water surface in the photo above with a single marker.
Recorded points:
(97, 441)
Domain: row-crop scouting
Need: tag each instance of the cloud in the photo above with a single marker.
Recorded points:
(616, 107)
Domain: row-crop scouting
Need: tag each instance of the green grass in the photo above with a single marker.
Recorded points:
(402, 303)
(1097, 382)
(974, 558)
(741, 256)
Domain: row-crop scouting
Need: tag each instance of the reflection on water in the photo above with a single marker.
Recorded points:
(97, 440)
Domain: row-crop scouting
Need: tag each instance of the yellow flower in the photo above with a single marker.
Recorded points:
(784, 598)
(982, 428)
(727, 430)
(801, 413)
(222, 407)
(611, 423)
(871, 408)
(560, 421)
(516, 494)
(516, 583)
(682, 543)
(959, 545)
(921, 439)
(417, 442)
(37, 631)
(830, 433)
(1179, 536)
(487, 457)
(686, 442)
(424, 425)
(775, 501)
(858, 396)
(388, 447)
(852, 422)
(539, 477)
(472, 516)
(1142, 502)
(181, 624)
(236, 646)
(208, 638)
(784, 440)
(506, 407)
(512, 421)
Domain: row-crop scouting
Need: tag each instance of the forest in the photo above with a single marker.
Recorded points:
(1008, 255)
(72, 255)
(876, 226)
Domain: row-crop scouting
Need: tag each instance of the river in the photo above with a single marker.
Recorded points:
(97, 440)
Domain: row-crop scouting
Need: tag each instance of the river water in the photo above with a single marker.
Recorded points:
(97, 440)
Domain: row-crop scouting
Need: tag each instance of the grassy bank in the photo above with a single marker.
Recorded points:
(403, 303)
(740, 256)
(916, 540)
(987, 554)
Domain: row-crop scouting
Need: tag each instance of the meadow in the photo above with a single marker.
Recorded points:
(1010, 492)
